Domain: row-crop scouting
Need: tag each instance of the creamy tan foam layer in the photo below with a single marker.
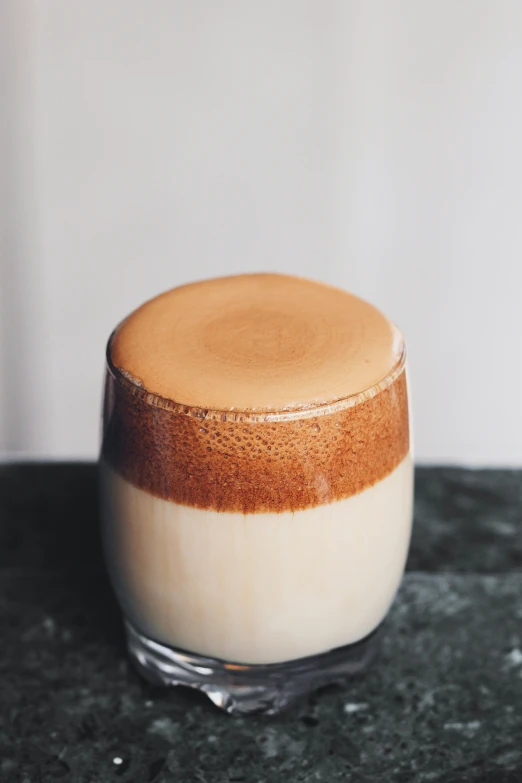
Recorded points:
(256, 343)
(259, 588)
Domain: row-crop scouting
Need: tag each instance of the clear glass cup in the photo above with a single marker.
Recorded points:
(255, 606)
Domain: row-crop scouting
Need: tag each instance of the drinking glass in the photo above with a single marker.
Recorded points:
(255, 556)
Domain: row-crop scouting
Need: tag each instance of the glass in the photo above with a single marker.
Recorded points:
(255, 607)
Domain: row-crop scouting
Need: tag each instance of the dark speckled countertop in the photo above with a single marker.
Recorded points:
(442, 703)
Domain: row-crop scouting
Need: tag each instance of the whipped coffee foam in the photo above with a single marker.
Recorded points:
(256, 343)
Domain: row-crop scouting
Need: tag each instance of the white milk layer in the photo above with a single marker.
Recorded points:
(258, 588)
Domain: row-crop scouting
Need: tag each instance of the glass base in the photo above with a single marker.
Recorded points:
(246, 689)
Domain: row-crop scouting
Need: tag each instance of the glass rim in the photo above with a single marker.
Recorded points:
(127, 381)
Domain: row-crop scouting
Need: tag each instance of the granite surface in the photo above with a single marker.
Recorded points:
(442, 703)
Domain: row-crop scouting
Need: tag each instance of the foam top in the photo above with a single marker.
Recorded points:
(256, 343)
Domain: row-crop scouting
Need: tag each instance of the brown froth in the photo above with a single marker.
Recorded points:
(251, 465)
(256, 343)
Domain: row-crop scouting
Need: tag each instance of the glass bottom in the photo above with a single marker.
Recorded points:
(241, 689)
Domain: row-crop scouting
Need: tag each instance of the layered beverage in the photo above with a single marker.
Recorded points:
(256, 470)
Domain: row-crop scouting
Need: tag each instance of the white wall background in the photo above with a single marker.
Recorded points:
(373, 144)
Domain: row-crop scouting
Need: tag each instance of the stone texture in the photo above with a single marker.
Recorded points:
(442, 703)
(467, 520)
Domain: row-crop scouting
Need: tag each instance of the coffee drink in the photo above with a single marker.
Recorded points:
(256, 470)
